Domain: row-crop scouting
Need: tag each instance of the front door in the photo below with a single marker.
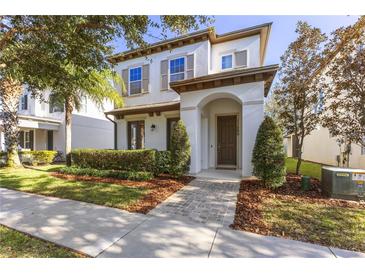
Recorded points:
(227, 141)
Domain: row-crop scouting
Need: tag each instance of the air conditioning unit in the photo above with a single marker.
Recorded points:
(343, 183)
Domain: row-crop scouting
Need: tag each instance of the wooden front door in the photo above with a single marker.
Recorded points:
(227, 140)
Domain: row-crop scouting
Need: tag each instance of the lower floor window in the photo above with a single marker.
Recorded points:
(136, 135)
(26, 139)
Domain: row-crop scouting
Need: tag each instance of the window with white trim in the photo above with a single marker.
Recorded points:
(83, 104)
(177, 69)
(363, 148)
(227, 61)
(135, 80)
(24, 102)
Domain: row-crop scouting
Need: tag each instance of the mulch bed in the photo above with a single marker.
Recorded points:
(253, 192)
(160, 188)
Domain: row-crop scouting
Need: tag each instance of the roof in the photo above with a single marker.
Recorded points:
(263, 30)
(146, 108)
(228, 78)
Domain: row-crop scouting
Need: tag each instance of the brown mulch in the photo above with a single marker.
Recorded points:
(159, 188)
(253, 192)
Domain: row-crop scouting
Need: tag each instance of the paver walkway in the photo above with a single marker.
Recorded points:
(170, 230)
(204, 200)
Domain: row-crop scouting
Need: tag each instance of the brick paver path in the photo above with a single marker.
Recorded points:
(203, 200)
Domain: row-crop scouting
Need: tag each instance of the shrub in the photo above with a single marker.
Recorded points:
(163, 162)
(268, 154)
(38, 157)
(127, 160)
(118, 174)
(180, 150)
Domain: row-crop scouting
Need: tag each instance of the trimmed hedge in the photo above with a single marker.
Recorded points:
(126, 160)
(35, 157)
(163, 162)
(118, 174)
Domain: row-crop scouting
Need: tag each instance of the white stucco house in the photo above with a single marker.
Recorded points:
(215, 83)
(42, 125)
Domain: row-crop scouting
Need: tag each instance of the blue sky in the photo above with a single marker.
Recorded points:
(282, 34)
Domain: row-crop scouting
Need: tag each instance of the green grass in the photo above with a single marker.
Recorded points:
(40, 181)
(318, 223)
(306, 168)
(14, 244)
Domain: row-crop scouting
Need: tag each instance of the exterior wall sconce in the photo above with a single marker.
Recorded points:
(153, 127)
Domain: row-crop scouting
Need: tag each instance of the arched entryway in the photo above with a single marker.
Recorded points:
(221, 133)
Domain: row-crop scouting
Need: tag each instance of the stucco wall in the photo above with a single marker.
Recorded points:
(251, 44)
(320, 147)
(156, 139)
(155, 95)
(248, 96)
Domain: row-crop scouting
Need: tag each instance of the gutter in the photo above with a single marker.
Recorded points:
(115, 131)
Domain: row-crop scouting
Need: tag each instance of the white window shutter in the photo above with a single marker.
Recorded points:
(145, 77)
(190, 66)
(125, 84)
(164, 75)
(241, 58)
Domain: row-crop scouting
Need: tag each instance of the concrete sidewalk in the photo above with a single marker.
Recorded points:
(106, 232)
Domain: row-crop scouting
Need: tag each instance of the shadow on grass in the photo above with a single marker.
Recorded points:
(40, 182)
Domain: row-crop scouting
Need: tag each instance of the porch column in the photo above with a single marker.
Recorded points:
(192, 120)
(252, 116)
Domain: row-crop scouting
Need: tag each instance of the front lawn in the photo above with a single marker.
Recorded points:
(40, 181)
(306, 168)
(134, 196)
(306, 216)
(14, 244)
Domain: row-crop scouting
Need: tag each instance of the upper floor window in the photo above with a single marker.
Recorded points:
(55, 106)
(177, 69)
(319, 107)
(135, 80)
(83, 104)
(24, 102)
(227, 61)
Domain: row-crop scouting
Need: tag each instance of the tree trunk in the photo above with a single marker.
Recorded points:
(299, 162)
(68, 124)
(10, 92)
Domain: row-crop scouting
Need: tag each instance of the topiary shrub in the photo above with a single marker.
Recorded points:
(127, 160)
(268, 157)
(180, 150)
(38, 157)
(163, 162)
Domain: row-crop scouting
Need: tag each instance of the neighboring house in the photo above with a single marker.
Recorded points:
(215, 83)
(321, 147)
(42, 125)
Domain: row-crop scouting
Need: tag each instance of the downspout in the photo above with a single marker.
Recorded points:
(115, 131)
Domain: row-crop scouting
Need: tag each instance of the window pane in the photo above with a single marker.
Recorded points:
(135, 87)
(176, 77)
(226, 61)
(177, 65)
(135, 74)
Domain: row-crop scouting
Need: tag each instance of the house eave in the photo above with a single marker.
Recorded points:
(150, 109)
(229, 78)
(207, 34)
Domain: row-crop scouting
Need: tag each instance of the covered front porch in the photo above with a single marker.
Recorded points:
(35, 133)
(222, 114)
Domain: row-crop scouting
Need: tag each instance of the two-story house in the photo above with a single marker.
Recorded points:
(42, 125)
(215, 83)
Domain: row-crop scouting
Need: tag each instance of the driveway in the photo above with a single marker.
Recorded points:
(191, 223)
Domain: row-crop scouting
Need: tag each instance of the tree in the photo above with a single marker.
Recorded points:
(180, 149)
(344, 87)
(47, 52)
(268, 156)
(297, 99)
